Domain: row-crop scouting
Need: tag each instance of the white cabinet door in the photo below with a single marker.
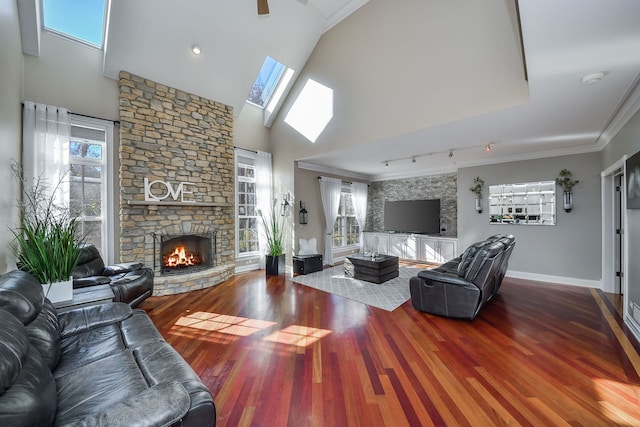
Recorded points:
(404, 246)
(437, 250)
(448, 250)
(376, 241)
(428, 249)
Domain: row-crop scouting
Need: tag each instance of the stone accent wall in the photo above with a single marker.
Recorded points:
(174, 136)
(443, 187)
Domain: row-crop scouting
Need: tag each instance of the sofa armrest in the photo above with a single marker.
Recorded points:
(160, 405)
(92, 316)
(90, 281)
(125, 267)
(438, 276)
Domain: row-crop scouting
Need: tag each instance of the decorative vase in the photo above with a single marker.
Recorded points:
(275, 265)
(59, 291)
(568, 201)
(479, 204)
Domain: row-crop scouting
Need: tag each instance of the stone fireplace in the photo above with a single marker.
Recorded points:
(176, 185)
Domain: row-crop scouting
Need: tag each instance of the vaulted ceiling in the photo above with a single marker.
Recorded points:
(476, 94)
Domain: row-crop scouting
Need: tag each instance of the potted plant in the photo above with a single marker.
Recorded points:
(478, 185)
(274, 235)
(566, 181)
(46, 245)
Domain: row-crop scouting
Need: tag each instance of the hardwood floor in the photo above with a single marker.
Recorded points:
(276, 353)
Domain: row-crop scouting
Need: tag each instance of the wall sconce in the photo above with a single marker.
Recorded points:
(284, 209)
(303, 215)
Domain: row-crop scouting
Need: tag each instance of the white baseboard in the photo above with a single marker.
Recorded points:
(563, 280)
(633, 326)
(245, 268)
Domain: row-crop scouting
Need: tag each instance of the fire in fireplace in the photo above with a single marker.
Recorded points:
(185, 253)
(181, 257)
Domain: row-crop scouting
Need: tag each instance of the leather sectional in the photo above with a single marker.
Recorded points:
(105, 364)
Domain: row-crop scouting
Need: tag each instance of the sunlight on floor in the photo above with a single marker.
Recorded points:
(612, 390)
(240, 326)
(300, 336)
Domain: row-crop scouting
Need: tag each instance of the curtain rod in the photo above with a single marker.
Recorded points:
(94, 117)
(343, 181)
(90, 117)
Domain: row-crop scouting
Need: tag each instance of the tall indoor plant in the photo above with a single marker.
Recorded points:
(46, 244)
(273, 226)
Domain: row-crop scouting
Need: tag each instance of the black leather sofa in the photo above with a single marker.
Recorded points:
(100, 365)
(460, 287)
(131, 282)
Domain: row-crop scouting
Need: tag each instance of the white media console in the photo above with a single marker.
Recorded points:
(412, 247)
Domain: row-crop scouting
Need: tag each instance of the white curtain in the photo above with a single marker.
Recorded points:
(330, 189)
(45, 157)
(359, 192)
(264, 195)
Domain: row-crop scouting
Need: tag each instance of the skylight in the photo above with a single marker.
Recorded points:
(81, 20)
(266, 82)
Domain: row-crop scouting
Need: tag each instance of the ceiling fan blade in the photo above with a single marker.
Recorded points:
(263, 7)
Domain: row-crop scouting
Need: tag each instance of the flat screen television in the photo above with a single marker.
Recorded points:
(412, 216)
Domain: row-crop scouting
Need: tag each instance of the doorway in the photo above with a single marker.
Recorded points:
(613, 224)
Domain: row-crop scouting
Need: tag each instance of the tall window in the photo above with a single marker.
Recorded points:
(89, 150)
(346, 231)
(247, 221)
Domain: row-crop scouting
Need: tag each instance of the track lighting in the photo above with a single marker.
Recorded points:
(413, 160)
(450, 153)
(487, 148)
(386, 164)
(195, 49)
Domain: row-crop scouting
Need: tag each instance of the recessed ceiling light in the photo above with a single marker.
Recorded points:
(593, 78)
(195, 49)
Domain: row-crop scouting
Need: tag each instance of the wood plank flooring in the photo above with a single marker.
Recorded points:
(276, 353)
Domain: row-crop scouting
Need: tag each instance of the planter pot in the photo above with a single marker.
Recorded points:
(59, 291)
(567, 201)
(275, 265)
(479, 204)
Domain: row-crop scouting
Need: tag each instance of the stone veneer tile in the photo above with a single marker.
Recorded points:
(443, 187)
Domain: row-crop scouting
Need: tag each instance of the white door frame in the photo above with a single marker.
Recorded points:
(608, 238)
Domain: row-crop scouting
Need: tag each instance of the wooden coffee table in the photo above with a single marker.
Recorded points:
(376, 270)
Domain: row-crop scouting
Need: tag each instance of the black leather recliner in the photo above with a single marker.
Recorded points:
(131, 282)
(460, 287)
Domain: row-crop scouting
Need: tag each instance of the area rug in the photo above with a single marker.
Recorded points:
(387, 296)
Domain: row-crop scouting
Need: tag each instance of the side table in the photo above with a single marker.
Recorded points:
(305, 264)
(87, 296)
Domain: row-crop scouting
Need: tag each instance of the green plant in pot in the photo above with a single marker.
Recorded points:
(274, 235)
(566, 181)
(478, 185)
(46, 244)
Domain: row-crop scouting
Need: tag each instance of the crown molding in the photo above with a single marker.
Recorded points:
(343, 12)
(332, 171)
(628, 106)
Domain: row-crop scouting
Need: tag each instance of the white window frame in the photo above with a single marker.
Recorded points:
(250, 156)
(107, 209)
(346, 189)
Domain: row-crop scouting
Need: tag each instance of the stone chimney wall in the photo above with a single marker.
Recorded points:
(175, 137)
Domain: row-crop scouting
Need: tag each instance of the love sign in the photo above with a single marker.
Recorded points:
(162, 189)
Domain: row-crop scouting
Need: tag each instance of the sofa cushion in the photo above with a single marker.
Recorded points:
(27, 388)
(21, 295)
(97, 386)
(44, 334)
(90, 263)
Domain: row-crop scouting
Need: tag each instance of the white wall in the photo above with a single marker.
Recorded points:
(568, 252)
(10, 124)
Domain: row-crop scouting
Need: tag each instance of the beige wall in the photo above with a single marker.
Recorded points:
(11, 67)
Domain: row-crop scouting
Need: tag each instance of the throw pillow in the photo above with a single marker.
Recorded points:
(307, 247)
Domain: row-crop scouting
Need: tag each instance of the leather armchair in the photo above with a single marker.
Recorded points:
(131, 282)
